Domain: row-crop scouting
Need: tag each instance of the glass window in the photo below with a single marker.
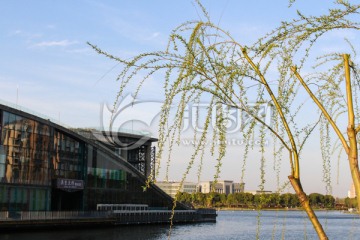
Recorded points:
(32, 200)
(62, 144)
(12, 120)
(77, 147)
(2, 154)
(40, 128)
(3, 136)
(35, 127)
(28, 125)
(13, 192)
(18, 195)
(2, 171)
(39, 199)
(18, 122)
(24, 195)
(89, 155)
(67, 144)
(5, 118)
(46, 130)
(3, 195)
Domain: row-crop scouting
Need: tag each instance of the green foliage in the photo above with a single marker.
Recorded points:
(351, 202)
(316, 199)
(329, 201)
(248, 200)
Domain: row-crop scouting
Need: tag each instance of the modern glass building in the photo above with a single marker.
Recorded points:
(47, 167)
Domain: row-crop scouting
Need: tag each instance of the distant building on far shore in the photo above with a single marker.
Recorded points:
(351, 192)
(172, 187)
(227, 187)
(259, 192)
(238, 187)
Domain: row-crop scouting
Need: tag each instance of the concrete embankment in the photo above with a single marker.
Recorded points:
(51, 220)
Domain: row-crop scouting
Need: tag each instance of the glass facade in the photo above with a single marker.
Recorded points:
(24, 151)
(24, 160)
(36, 155)
(17, 198)
(67, 158)
(108, 182)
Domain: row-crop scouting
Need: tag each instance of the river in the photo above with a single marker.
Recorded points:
(240, 225)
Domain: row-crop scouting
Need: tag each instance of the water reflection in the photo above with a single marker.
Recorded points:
(122, 232)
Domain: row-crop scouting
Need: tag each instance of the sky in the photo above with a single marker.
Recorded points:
(46, 66)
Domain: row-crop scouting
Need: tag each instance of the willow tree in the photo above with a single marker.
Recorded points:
(202, 61)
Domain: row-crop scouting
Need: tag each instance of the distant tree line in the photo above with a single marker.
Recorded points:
(249, 200)
(350, 202)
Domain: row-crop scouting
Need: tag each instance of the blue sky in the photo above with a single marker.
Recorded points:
(47, 66)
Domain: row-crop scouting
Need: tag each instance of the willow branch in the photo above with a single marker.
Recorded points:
(276, 134)
(306, 137)
(322, 108)
(279, 110)
(242, 107)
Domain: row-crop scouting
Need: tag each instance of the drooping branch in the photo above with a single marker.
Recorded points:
(308, 135)
(322, 108)
(242, 107)
(296, 171)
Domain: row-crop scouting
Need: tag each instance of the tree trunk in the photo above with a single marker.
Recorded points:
(308, 209)
(352, 149)
(354, 164)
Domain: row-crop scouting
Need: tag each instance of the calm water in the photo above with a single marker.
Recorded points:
(230, 225)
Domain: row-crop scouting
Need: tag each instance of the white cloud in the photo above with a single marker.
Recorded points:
(16, 32)
(62, 43)
(155, 35)
(50, 26)
(24, 34)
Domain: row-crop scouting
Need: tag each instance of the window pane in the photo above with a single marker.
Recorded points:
(12, 121)
(5, 118)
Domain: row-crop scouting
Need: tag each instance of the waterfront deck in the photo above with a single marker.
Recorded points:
(10, 221)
